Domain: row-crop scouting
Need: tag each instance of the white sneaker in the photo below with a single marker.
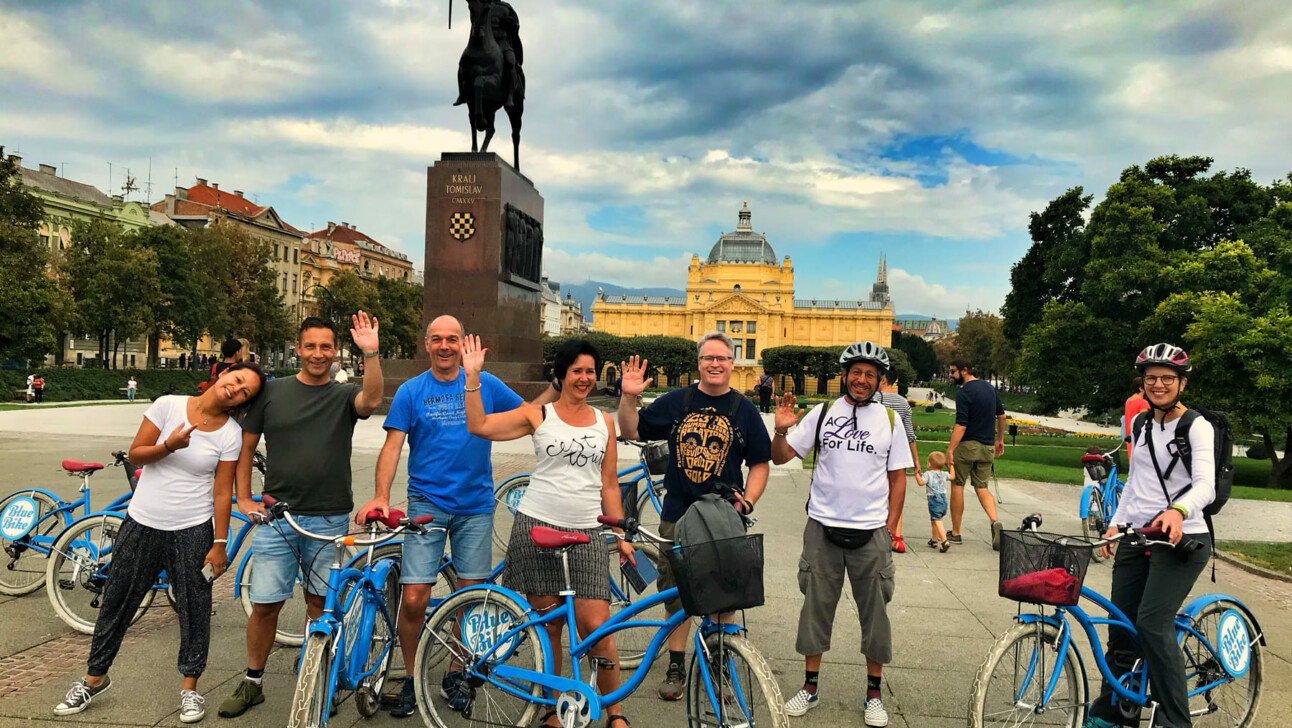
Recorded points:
(802, 702)
(79, 696)
(876, 716)
(192, 707)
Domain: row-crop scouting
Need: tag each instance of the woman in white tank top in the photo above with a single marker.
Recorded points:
(573, 482)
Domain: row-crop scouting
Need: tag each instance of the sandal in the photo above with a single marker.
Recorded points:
(610, 721)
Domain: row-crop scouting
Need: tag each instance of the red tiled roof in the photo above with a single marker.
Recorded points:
(203, 198)
(341, 234)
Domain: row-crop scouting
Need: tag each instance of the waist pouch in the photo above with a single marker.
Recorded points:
(848, 538)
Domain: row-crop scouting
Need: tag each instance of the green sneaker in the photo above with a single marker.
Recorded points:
(246, 695)
(1093, 722)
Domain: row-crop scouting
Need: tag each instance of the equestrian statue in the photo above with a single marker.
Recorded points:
(490, 74)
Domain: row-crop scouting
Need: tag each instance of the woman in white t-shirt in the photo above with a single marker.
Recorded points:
(1149, 585)
(188, 447)
(573, 482)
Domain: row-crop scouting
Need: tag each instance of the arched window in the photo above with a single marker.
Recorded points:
(736, 288)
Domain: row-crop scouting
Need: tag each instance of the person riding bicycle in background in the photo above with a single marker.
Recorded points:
(574, 481)
(308, 424)
(856, 496)
(1150, 584)
(711, 429)
(450, 477)
(188, 448)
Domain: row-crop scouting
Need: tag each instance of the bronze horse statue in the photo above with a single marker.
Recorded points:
(490, 75)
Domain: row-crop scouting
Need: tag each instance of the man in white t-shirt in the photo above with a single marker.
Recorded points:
(858, 487)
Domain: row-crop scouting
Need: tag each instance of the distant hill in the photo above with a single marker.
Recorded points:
(587, 293)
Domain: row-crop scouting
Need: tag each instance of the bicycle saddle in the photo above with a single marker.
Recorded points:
(550, 538)
(76, 466)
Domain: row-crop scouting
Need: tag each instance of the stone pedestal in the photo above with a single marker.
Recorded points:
(484, 246)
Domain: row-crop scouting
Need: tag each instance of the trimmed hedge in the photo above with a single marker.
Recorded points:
(69, 384)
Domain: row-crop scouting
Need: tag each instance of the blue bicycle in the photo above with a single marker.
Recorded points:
(1036, 675)
(31, 520)
(641, 487)
(1099, 499)
(348, 647)
(500, 641)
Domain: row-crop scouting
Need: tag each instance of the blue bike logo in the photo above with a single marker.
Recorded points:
(483, 624)
(18, 518)
(1234, 643)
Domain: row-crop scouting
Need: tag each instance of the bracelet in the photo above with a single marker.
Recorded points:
(370, 354)
(1183, 511)
(782, 433)
(221, 540)
(166, 445)
(472, 389)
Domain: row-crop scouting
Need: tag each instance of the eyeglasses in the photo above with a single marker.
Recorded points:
(1167, 379)
(717, 359)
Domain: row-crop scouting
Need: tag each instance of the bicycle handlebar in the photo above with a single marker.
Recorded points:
(275, 508)
(632, 528)
(1143, 535)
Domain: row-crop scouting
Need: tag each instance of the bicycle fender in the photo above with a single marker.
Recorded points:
(1197, 605)
(53, 496)
(1085, 500)
(379, 571)
(708, 627)
(1033, 618)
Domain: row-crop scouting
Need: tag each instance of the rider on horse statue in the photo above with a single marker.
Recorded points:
(506, 31)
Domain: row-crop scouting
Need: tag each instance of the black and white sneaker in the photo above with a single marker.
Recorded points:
(79, 696)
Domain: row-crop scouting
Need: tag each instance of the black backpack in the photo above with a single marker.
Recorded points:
(1224, 446)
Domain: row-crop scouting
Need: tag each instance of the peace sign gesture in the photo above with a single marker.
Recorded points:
(634, 377)
(786, 415)
(178, 439)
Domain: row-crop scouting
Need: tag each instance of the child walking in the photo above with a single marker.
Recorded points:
(935, 479)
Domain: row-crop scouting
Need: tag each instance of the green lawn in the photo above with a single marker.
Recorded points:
(9, 407)
(1274, 556)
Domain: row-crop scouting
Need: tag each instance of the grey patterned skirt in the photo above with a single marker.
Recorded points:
(532, 570)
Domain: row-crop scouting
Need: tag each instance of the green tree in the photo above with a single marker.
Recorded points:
(33, 302)
(900, 364)
(924, 360)
(401, 325)
(1068, 365)
(349, 295)
(788, 361)
(669, 357)
(1052, 268)
(250, 303)
(980, 339)
(115, 285)
(184, 308)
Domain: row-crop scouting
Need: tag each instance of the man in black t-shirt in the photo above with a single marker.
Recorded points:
(708, 446)
(973, 448)
(308, 424)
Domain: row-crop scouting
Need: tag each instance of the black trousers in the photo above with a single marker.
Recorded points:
(138, 557)
(40, 393)
(764, 400)
(1149, 587)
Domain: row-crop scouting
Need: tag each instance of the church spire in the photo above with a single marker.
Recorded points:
(882, 276)
(879, 291)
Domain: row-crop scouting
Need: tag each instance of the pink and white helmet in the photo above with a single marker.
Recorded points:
(1164, 355)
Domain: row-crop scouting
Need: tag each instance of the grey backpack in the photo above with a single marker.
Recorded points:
(708, 519)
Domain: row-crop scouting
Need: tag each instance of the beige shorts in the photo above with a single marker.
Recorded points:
(973, 460)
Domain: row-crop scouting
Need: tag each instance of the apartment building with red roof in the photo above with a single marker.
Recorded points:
(341, 247)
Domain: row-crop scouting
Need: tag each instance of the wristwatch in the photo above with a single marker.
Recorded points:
(367, 354)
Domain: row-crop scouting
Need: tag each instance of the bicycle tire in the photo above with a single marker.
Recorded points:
(309, 701)
(506, 497)
(77, 571)
(382, 643)
(744, 694)
(634, 641)
(1046, 637)
(1206, 671)
(1093, 526)
(292, 618)
(646, 512)
(440, 641)
(22, 566)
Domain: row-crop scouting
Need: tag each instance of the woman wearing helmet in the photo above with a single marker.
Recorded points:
(1149, 585)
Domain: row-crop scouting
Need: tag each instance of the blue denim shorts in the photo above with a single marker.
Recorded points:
(470, 537)
(937, 506)
(279, 554)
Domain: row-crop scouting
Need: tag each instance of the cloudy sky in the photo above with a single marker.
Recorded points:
(927, 131)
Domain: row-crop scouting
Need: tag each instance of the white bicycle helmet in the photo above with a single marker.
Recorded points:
(865, 351)
(1164, 355)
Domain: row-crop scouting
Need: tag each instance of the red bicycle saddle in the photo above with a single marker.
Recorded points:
(76, 466)
(550, 538)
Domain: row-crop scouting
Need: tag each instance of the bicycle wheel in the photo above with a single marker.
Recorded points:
(292, 617)
(506, 497)
(22, 563)
(310, 701)
(635, 641)
(1093, 526)
(647, 512)
(458, 635)
(1233, 703)
(381, 645)
(1011, 681)
(743, 687)
(79, 564)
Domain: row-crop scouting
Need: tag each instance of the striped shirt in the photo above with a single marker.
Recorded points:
(898, 404)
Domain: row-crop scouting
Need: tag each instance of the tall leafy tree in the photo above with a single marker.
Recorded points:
(924, 360)
(401, 327)
(1052, 268)
(185, 306)
(115, 285)
(34, 304)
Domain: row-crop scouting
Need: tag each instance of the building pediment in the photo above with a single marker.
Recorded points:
(736, 303)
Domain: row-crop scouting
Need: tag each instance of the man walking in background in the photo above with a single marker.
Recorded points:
(972, 448)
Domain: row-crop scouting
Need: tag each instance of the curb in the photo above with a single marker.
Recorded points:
(1251, 568)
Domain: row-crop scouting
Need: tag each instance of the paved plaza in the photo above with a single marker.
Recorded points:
(945, 613)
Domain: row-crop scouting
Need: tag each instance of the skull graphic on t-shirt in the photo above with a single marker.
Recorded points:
(703, 441)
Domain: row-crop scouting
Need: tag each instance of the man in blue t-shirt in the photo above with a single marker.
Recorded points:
(708, 446)
(450, 476)
(976, 441)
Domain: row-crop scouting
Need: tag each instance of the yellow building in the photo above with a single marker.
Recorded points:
(742, 289)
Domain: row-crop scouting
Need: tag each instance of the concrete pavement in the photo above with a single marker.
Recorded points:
(945, 612)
